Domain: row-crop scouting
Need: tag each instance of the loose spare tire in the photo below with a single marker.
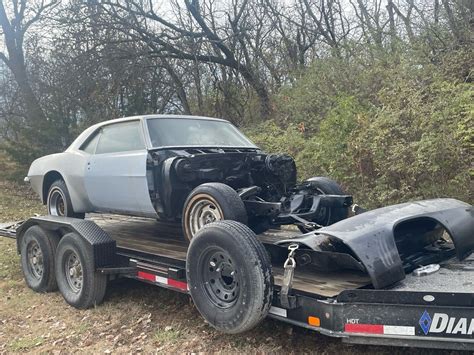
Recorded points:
(229, 276)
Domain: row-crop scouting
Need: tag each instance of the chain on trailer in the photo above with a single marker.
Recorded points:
(287, 300)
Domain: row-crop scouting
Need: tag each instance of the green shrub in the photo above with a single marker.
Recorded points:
(394, 132)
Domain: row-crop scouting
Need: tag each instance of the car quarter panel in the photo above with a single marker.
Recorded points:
(70, 165)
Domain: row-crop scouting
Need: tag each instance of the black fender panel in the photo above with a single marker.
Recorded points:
(370, 235)
(103, 246)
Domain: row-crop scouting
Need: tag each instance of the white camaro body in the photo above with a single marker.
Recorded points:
(104, 181)
(109, 182)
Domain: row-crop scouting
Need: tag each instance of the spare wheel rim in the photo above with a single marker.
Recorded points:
(221, 279)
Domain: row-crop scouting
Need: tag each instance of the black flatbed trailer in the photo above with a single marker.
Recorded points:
(432, 311)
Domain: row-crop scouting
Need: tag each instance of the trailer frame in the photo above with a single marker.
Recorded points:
(397, 316)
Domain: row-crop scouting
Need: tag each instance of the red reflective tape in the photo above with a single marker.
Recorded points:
(178, 284)
(146, 276)
(364, 328)
(159, 279)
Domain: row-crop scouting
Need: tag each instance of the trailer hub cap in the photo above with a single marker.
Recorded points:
(221, 279)
(35, 259)
(73, 271)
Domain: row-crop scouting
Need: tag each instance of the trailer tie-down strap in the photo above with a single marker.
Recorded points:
(287, 300)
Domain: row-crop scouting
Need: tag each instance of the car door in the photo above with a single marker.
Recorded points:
(115, 176)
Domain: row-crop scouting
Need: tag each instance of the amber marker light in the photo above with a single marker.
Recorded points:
(314, 321)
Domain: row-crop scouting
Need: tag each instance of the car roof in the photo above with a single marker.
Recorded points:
(154, 116)
(184, 116)
(86, 133)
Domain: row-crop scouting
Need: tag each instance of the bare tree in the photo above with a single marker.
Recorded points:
(22, 16)
(199, 37)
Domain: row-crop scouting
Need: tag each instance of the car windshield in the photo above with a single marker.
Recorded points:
(182, 132)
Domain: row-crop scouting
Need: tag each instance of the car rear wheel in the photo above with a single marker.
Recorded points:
(59, 201)
(211, 202)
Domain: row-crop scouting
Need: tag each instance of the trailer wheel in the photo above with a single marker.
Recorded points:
(37, 249)
(326, 186)
(78, 282)
(211, 202)
(229, 276)
(59, 201)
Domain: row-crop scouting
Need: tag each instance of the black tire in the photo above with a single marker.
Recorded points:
(231, 246)
(223, 202)
(75, 259)
(37, 249)
(327, 186)
(59, 201)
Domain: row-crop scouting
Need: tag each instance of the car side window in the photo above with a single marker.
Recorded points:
(89, 146)
(120, 137)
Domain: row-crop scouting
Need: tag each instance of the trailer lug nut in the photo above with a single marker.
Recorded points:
(212, 263)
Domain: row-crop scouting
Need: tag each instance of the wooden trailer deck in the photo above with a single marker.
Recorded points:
(166, 240)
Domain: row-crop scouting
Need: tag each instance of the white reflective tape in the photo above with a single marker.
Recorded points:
(398, 330)
(278, 311)
(161, 280)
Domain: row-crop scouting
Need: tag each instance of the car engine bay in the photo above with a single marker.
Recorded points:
(267, 183)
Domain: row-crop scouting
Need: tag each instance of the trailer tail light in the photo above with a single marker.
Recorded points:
(314, 321)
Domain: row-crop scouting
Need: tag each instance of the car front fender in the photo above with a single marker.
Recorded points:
(371, 235)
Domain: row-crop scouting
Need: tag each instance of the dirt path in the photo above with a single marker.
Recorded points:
(134, 317)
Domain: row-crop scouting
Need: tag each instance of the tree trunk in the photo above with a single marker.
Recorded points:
(180, 91)
(34, 111)
(260, 89)
(16, 62)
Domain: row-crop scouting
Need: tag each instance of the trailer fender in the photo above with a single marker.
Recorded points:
(103, 246)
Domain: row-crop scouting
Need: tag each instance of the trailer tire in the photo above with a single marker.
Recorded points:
(229, 276)
(59, 201)
(211, 202)
(37, 250)
(80, 285)
(327, 186)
